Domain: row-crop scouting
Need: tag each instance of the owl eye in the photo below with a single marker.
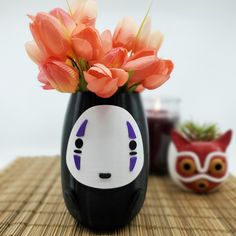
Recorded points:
(187, 167)
(217, 167)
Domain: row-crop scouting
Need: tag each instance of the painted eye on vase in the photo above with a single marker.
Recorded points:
(217, 167)
(79, 143)
(187, 167)
(132, 145)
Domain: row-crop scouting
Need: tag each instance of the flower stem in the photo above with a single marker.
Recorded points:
(132, 88)
(83, 83)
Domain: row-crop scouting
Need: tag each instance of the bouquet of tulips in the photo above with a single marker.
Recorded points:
(72, 55)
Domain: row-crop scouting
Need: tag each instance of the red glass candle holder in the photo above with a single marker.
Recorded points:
(163, 117)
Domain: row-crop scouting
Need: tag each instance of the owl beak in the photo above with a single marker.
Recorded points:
(202, 185)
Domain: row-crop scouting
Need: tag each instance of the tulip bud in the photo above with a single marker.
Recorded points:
(51, 36)
(61, 76)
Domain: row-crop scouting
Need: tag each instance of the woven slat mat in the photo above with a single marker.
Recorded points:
(31, 203)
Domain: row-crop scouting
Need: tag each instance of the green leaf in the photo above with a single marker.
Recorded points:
(69, 7)
(144, 21)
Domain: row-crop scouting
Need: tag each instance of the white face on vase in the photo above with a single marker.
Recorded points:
(105, 148)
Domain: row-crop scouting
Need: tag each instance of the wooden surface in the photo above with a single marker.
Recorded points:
(31, 203)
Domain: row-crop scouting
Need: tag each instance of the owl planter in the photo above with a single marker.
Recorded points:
(199, 166)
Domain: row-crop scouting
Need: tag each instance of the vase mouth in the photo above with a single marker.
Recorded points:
(117, 94)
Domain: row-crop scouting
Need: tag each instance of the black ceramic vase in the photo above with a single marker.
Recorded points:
(104, 161)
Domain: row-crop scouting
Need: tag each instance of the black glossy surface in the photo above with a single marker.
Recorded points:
(104, 209)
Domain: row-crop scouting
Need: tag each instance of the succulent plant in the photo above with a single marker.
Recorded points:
(200, 132)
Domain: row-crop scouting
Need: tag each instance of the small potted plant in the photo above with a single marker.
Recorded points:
(197, 161)
(104, 158)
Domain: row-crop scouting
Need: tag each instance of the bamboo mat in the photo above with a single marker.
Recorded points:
(31, 203)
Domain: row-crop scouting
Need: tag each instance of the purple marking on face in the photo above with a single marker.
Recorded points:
(132, 134)
(77, 161)
(132, 163)
(81, 131)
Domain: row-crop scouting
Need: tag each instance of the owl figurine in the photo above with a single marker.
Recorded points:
(198, 166)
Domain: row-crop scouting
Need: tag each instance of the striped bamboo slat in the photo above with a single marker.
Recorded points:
(31, 203)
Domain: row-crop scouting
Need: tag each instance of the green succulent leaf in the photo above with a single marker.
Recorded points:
(200, 132)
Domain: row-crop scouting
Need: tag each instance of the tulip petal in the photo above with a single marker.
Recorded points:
(100, 69)
(121, 75)
(125, 33)
(143, 35)
(140, 63)
(161, 75)
(44, 80)
(62, 77)
(110, 89)
(34, 52)
(64, 18)
(164, 67)
(155, 40)
(139, 88)
(97, 85)
(50, 35)
(88, 77)
(106, 38)
(147, 66)
(83, 48)
(143, 53)
(37, 37)
(85, 12)
(31, 17)
(155, 81)
(115, 58)
(42, 77)
(47, 87)
(92, 37)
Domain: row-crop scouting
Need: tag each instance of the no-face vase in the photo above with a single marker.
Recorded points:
(104, 161)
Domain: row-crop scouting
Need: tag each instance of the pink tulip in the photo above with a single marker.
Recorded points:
(86, 43)
(64, 18)
(125, 34)
(35, 53)
(85, 12)
(160, 75)
(149, 71)
(51, 36)
(103, 81)
(115, 58)
(59, 76)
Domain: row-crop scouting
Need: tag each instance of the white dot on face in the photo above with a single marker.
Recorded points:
(106, 159)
